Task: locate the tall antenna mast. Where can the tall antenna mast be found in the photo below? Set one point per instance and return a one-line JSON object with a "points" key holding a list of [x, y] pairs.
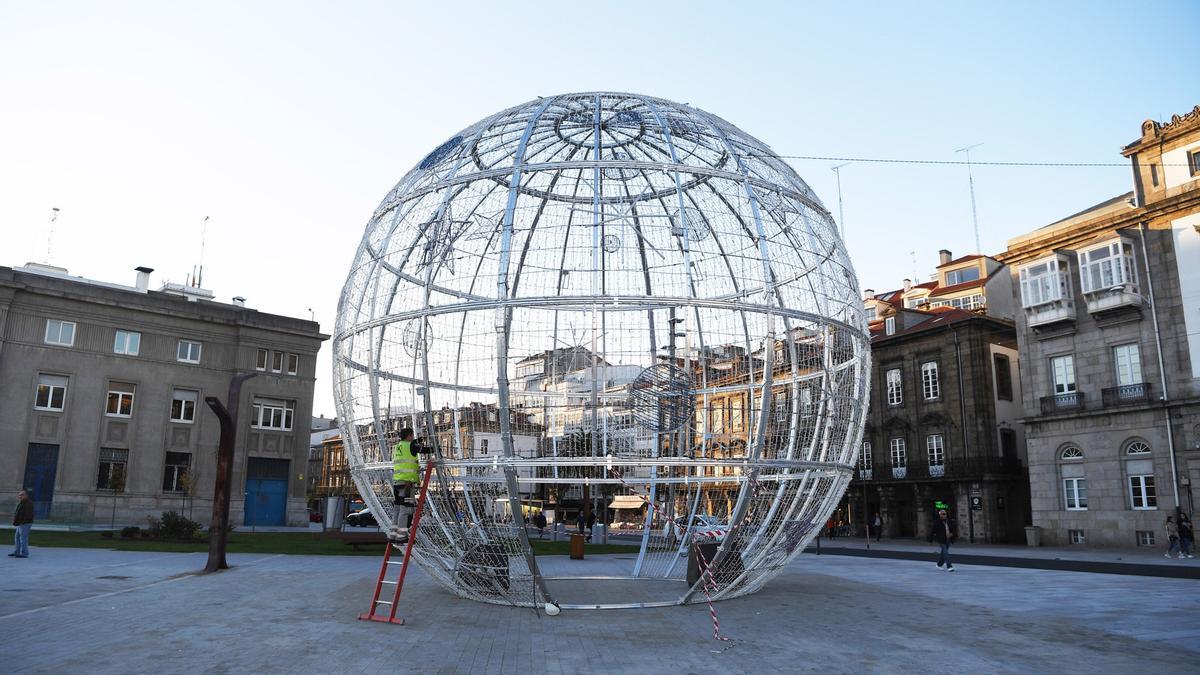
{"points": [[837, 171], [971, 182], [50, 235], [198, 280]]}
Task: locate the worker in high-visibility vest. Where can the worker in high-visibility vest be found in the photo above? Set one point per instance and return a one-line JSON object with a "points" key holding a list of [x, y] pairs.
{"points": [[406, 472]]}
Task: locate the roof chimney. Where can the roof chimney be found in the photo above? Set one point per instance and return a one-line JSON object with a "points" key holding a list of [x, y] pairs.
{"points": [[868, 294], [239, 301], [943, 257], [907, 285], [143, 278]]}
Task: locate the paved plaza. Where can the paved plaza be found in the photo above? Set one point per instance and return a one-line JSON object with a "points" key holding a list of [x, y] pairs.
{"points": [[76, 610]]}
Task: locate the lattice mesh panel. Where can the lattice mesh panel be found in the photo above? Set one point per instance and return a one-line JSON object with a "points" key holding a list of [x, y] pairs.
{"points": [[614, 296]]}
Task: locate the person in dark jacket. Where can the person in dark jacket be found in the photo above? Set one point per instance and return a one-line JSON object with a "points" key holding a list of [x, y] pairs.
{"points": [[1186, 536], [944, 534], [23, 522]]}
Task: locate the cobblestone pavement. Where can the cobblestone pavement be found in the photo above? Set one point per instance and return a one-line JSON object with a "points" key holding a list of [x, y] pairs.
{"points": [[109, 611]]}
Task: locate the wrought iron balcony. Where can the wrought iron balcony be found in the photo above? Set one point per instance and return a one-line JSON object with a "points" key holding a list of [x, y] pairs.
{"points": [[1126, 394], [1062, 403], [950, 469]]}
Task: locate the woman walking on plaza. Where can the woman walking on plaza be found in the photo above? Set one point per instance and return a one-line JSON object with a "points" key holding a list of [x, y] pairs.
{"points": [[1172, 538], [1186, 536]]}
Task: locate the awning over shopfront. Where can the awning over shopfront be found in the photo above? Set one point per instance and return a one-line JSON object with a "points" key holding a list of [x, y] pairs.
{"points": [[627, 502]]}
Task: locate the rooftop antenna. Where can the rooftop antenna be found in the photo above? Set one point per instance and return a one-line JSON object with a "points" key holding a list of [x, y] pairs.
{"points": [[913, 255], [198, 279], [50, 234], [971, 182], [837, 171]]}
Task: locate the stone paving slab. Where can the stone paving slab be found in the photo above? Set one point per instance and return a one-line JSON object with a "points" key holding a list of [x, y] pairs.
{"points": [[275, 613]]}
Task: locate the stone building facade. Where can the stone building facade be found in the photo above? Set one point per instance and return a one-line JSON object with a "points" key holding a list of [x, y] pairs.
{"points": [[944, 423], [1109, 334], [102, 390]]}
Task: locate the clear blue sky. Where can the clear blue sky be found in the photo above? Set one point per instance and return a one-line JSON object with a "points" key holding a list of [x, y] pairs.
{"points": [[287, 122]]}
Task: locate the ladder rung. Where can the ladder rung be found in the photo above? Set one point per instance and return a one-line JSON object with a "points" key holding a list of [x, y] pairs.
{"points": [[383, 602], [395, 562], [393, 583]]}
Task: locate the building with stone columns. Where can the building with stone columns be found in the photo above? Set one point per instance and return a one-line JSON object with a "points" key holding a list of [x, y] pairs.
{"points": [[1109, 332]]}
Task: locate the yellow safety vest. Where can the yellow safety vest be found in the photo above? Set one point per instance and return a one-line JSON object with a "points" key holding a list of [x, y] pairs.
{"points": [[405, 466]]}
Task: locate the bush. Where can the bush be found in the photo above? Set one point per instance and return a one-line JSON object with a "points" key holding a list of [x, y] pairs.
{"points": [[131, 532], [173, 526]]}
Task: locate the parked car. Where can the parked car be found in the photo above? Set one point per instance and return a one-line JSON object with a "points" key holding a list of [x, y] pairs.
{"points": [[710, 528], [362, 518]]}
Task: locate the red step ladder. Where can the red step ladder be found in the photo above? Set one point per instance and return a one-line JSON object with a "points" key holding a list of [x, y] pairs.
{"points": [[374, 614]]}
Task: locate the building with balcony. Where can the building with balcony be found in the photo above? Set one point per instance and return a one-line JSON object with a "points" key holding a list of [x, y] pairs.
{"points": [[944, 423], [102, 388], [1109, 333]]}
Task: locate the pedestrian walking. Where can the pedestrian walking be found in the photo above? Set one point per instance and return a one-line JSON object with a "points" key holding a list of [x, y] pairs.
{"points": [[1187, 536], [878, 525], [1173, 538], [581, 521], [22, 522], [540, 521], [944, 534], [591, 523]]}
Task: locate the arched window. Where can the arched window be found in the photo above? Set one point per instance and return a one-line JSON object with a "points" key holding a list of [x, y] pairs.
{"points": [[1071, 452], [1137, 448]]}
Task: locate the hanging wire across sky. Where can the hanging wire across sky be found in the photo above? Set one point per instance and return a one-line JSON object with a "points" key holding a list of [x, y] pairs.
{"points": [[958, 162]]}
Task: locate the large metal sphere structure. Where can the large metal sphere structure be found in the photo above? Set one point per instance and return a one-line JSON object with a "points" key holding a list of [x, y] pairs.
{"points": [[606, 302]]}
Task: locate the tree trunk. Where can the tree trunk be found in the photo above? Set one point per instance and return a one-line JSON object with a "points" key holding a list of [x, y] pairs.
{"points": [[218, 529]]}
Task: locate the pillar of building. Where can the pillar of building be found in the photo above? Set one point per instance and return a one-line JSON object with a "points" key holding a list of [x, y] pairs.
{"points": [[923, 497]]}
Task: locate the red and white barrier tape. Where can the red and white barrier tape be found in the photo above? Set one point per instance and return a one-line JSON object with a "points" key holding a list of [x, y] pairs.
{"points": [[706, 575]]}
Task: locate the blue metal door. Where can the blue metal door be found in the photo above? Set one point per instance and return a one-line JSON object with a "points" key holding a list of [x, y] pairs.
{"points": [[266, 501], [41, 466]]}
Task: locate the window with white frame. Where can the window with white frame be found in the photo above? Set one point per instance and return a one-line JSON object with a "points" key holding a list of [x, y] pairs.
{"points": [[51, 393], [483, 446], [261, 358], [889, 325], [864, 457], [1076, 537], [962, 276], [293, 364], [935, 447], [113, 462], [127, 342], [930, 385], [1142, 496], [1075, 493], [1137, 448], [1071, 452], [967, 302], [1044, 282], [806, 402], [272, 414], [175, 471], [1062, 369], [895, 390], [1128, 362], [120, 399], [188, 351], [183, 405], [781, 408], [276, 362], [60, 332], [899, 453], [1103, 267], [1145, 537]]}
